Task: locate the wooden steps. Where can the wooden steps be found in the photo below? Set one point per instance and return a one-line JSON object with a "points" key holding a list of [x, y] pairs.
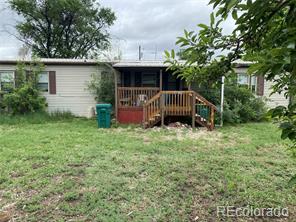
{"points": [[152, 121], [203, 122], [178, 103]]}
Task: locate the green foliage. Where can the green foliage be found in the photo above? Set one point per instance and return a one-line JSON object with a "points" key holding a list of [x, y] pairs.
{"points": [[240, 104], [264, 34], [61, 115], [25, 99], [199, 51], [63, 28], [2, 107], [292, 181], [36, 118], [102, 85], [25, 96], [71, 196], [268, 39], [287, 118]]}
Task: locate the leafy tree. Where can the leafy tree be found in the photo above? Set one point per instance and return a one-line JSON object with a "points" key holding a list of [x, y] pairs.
{"points": [[264, 33], [63, 28]]}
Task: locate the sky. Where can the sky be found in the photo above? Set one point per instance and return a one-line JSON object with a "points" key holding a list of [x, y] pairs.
{"points": [[153, 24]]}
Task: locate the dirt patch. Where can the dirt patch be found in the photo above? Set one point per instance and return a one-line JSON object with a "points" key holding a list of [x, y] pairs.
{"points": [[78, 165], [4, 216], [146, 140], [52, 200], [37, 165], [88, 190], [181, 134], [15, 174], [13, 208], [57, 179]]}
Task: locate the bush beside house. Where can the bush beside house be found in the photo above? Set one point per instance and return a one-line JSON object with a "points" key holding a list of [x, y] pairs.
{"points": [[240, 105], [102, 86], [22, 95]]}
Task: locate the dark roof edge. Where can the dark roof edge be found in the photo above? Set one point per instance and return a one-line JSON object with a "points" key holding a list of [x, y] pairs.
{"points": [[54, 62], [115, 64]]}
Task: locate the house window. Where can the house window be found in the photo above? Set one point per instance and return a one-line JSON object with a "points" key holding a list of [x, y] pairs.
{"points": [[243, 79], [6, 80], [247, 81], [253, 85], [43, 82], [148, 79]]}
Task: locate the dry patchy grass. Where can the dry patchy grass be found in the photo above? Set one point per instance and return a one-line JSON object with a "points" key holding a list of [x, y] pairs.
{"points": [[72, 171]]}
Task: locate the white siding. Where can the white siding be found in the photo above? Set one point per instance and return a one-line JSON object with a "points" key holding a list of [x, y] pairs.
{"points": [[276, 99], [7, 67], [71, 88], [72, 93], [271, 100]]}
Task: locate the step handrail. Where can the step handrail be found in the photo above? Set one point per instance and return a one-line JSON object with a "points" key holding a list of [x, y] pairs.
{"points": [[210, 121], [205, 100], [152, 99], [148, 110]]}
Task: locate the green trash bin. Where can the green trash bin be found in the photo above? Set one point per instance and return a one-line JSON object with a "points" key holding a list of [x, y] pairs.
{"points": [[104, 115], [203, 111]]}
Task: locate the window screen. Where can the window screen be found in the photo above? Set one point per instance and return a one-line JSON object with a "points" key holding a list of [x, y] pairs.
{"points": [[6, 80], [43, 82], [248, 81], [243, 79]]}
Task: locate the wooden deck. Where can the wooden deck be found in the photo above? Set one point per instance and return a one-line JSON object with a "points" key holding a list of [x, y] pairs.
{"points": [[157, 105]]}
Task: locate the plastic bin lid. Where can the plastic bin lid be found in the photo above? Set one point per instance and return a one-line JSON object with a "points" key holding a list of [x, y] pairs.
{"points": [[104, 105]]}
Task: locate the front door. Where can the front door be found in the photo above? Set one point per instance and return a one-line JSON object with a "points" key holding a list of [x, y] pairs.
{"points": [[172, 83]]}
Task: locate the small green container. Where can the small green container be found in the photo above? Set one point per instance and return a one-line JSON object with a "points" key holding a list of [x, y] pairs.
{"points": [[104, 115], [203, 111]]}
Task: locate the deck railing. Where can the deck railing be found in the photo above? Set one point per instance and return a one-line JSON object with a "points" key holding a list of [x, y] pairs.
{"points": [[159, 104], [135, 96], [177, 103]]}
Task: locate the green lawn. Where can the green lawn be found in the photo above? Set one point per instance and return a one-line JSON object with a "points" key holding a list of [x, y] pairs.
{"points": [[72, 171]]}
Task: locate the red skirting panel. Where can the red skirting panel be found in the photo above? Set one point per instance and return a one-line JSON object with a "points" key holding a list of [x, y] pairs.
{"points": [[130, 115]]}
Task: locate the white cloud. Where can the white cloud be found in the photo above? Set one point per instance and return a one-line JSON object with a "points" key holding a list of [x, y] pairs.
{"points": [[9, 45], [154, 24]]}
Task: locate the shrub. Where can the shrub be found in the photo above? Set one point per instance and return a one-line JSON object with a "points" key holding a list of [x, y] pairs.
{"points": [[25, 99], [25, 96], [240, 105], [102, 86], [2, 107]]}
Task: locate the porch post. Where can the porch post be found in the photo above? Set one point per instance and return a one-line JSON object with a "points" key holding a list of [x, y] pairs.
{"points": [[193, 109], [160, 79], [189, 86], [116, 95], [162, 109], [161, 99]]}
